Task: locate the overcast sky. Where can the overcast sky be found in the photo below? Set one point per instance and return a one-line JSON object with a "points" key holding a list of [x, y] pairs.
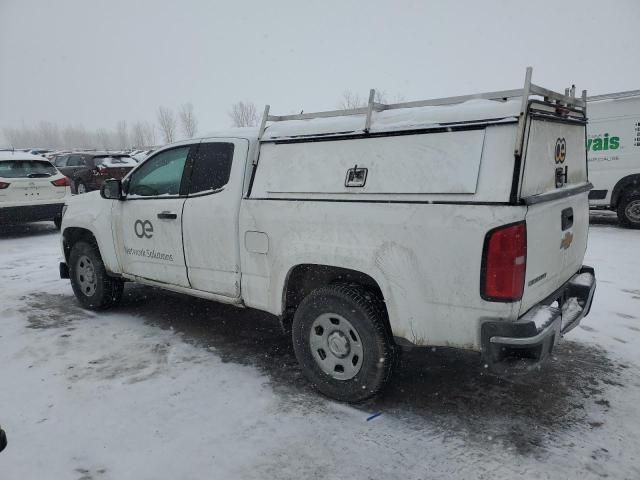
{"points": [[94, 62]]}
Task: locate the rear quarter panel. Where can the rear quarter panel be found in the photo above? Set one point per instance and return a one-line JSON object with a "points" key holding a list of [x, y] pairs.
{"points": [[426, 258]]}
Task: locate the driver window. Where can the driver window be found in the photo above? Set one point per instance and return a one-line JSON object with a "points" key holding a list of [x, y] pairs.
{"points": [[160, 175]]}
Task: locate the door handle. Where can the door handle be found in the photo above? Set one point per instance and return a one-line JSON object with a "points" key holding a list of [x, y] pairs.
{"points": [[566, 218], [167, 215]]}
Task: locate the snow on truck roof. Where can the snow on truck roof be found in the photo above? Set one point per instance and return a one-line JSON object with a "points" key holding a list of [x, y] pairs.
{"points": [[471, 111]]}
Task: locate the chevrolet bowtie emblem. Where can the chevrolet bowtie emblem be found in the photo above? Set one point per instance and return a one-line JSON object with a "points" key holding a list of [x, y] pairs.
{"points": [[566, 241]]}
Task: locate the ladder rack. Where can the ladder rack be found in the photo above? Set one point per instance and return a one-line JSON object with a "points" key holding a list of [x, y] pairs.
{"points": [[616, 95], [566, 100]]}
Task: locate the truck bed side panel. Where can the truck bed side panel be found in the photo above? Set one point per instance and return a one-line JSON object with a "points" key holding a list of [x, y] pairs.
{"points": [[426, 259]]}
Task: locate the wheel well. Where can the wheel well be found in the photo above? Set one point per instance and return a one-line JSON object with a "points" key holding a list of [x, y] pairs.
{"points": [[303, 279], [630, 181], [73, 235]]}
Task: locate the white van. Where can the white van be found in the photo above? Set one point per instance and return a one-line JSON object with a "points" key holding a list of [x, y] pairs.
{"points": [[613, 146], [458, 222]]}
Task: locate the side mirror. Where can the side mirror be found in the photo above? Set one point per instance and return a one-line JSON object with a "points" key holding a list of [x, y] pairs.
{"points": [[111, 189]]}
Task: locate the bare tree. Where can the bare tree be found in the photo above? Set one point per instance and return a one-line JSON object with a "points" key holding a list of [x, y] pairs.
{"points": [[137, 135], [188, 120], [149, 134], [103, 138], [74, 137], [243, 114], [167, 122], [48, 135], [122, 134], [350, 100]]}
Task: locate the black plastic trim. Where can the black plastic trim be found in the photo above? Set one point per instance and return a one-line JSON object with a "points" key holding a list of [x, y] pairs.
{"points": [[354, 200], [598, 194], [562, 193], [441, 128]]}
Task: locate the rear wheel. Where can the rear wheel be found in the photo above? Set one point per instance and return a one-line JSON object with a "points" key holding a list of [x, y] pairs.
{"points": [[81, 187], [629, 210], [341, 342], [91, 284]]}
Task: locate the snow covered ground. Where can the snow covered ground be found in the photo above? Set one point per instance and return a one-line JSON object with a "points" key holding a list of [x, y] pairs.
{"points": [[167, 386]]}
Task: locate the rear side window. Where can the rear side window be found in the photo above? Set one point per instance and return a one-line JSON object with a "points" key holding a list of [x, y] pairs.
{"points": [[61, 161], [75, 161], [26, 169], [211, 167]]}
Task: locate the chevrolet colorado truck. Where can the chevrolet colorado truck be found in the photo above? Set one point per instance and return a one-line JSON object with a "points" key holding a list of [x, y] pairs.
{"points": [[459, 222]]}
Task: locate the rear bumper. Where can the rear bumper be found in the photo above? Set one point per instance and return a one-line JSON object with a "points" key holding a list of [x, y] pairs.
{"points": [[533, 336], [30, 213]]}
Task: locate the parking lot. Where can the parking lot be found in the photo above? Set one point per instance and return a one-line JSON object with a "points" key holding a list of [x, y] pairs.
{"points": [[168, 383]]}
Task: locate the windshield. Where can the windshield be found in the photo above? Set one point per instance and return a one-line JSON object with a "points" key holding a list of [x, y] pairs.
{"points": [[26, 169]]}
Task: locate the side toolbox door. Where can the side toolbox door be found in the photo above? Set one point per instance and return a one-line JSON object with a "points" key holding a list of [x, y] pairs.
{"points": [[148, 223], [210, 220]]}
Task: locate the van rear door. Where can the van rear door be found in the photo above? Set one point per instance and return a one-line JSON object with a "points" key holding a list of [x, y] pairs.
{"points": [[554, 186]]}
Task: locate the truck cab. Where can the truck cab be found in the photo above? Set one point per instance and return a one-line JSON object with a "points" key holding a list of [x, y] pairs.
{"points": [[458, 222]]}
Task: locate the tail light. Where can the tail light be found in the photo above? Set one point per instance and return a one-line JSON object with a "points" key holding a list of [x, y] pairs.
{"points": [[4, 185], [61, 182], [504, 263]]}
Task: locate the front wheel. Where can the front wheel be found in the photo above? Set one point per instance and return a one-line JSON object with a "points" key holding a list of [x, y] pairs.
{"points": [[342, 344], [91, 284], [629, 210], [81, 188]]}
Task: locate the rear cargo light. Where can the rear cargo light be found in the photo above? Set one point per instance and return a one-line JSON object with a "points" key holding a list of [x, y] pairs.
{"points": [[504, 263], [61, 182], [4, 185]]}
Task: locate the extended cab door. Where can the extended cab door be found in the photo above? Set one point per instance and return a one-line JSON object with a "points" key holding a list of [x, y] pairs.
{"points": [[148, 223], [210, 219]]}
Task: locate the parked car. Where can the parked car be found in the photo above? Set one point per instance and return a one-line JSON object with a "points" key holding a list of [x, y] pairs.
{"points": [[141, 155], [459, 222], [88, 170], [613, 145], [31, 189], [39, 151]]}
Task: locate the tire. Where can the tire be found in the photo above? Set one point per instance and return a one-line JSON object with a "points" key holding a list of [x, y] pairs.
{"points": [[342, 343], [81, 187], [629, 210], [92, 286], [57, 221]]}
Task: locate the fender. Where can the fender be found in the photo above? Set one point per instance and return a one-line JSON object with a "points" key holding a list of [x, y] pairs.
{"points": [[91, 212]]}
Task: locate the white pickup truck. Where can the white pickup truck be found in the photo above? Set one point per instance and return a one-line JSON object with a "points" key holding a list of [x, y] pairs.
{"points": [[460, 222], [613, 148]]}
